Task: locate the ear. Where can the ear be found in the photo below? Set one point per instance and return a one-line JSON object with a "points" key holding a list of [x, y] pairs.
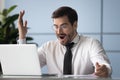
{"points": [[75, 25]]}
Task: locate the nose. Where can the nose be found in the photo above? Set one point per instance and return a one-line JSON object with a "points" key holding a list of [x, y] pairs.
{"points": [[60, 30]]}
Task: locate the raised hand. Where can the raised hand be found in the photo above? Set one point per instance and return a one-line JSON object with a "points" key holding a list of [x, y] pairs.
{"points": [[22, 26]]}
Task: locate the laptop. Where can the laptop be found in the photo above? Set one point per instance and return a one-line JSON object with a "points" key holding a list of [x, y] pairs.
{"points": [[19, 59]]}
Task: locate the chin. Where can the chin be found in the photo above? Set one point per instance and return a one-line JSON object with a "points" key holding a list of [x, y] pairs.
{"points": [[63, 43]]}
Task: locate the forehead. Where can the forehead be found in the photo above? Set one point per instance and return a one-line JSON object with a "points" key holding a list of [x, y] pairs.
{"points": [[60, 20]]}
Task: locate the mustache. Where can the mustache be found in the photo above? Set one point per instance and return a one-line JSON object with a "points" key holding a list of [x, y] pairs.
{"points": [[61, 34]]}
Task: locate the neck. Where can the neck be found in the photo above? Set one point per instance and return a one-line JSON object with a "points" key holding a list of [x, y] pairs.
{"points": [[73, 36]]}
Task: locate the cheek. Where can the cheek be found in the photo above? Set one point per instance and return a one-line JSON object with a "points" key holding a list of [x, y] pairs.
{"points": [[71, 33]]}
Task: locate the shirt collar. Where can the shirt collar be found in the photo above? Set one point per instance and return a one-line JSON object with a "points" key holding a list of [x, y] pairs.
{"points": [[76, 39]]}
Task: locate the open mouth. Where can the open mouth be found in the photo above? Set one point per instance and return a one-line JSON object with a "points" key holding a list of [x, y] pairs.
{"points": [[62, 36]]}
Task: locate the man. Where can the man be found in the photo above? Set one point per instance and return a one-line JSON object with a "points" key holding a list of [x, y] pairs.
{"points": [[87, 54]]}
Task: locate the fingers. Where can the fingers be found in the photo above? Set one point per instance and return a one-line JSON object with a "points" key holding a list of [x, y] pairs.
{"points": [[25, 24], [97, 65], [22, 25], [20, 18], [21, 14], [102, 74], [100, 67], [101, 70]]}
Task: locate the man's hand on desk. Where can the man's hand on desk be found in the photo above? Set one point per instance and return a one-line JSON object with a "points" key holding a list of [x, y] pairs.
{"points": [[101, 70]]}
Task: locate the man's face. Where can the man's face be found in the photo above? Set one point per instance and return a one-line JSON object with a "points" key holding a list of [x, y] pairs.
{"points": [[65, 32]]}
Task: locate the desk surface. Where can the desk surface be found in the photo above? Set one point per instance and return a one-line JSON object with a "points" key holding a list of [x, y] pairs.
{"points": [[80, 77]]}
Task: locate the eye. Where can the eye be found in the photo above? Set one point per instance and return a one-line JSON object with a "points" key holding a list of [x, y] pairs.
{"points": [[55, 27], [64, 26]]}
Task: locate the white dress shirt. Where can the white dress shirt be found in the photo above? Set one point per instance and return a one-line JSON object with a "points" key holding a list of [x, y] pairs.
{"points": [[86, 52]]}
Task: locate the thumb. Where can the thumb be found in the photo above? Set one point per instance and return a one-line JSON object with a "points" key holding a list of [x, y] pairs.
{"points": [[97, 64]]}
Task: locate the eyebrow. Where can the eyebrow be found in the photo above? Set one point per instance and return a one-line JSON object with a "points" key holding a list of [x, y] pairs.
{"points": [[61, 24]]}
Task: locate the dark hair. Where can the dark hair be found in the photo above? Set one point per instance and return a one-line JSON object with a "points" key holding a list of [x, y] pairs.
{"points": [[66, 11]]}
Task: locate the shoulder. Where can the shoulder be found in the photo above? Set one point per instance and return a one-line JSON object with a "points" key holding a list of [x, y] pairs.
{"points": [[89, 42], [87, 39]]}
